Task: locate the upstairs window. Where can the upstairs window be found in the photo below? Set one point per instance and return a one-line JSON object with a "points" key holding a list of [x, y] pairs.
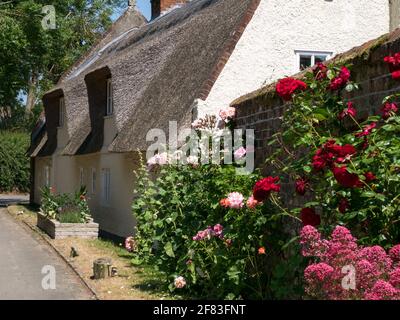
{"points": [[110, 103], [306, 59], [61, 107]]}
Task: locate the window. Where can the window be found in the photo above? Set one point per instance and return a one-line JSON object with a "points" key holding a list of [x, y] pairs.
{"points": [[94, 178], [46, 176], [81, 177], [106, 186], [110, 106], [306, 59], [61, 120]]}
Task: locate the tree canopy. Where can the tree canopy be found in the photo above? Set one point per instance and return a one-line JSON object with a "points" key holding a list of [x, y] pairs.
{"points": [[32, 58]]}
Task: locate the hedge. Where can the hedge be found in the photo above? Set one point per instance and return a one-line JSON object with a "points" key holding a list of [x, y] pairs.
{"points": [[14, 162]]}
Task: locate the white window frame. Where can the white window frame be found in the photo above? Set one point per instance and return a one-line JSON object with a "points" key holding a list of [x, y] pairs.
{"points": [[312, 53], [61, 106], [93, 180], [81, 177], [46, 176], [110, 101], [105, 186]]}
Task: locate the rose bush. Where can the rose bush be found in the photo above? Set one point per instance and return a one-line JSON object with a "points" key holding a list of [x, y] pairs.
{"points": [[344, 167]]}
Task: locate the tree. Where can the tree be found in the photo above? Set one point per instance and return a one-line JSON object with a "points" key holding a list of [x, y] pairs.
{"points": [[33, 58]]}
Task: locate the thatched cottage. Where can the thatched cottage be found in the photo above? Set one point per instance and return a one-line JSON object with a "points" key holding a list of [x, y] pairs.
{"points": [[192, 58]]}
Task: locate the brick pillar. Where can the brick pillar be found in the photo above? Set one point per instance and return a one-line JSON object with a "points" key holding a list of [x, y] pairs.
{"points": [[160, 6]]}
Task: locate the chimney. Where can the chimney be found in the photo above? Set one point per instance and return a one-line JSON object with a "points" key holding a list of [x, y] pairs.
{"points": [[158, 7]]}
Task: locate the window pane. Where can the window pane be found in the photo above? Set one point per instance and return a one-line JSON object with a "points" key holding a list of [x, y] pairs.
{"points": [[305, 62], [320, 58]]}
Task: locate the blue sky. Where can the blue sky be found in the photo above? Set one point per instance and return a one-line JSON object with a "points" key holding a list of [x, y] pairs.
{"points": [[143, 6]]}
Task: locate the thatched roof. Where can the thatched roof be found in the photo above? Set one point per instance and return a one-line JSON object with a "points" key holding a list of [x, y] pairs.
{"points": [[158, 71]]}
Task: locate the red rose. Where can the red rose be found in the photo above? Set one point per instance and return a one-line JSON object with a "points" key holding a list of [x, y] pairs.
{"points": [[264, 187], [389, 109], [393, 61], [320, 71], [301, 186], [331, 153], [341, 80], [396, 75], [309, 217], [349, 111], [366, 130], [345, 178], [287, 87], [344, 205], [369, 177]]}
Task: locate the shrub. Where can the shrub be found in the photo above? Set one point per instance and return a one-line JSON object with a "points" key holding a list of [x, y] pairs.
{"points": [[14, 162], [66, 208], [345, 165], [223, 248]]}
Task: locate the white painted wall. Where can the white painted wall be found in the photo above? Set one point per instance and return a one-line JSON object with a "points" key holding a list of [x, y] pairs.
{"points": [[266, 50]]}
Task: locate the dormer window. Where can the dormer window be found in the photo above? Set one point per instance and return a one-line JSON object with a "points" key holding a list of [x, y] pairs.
{"points": [[110, 103], [61, 113]]}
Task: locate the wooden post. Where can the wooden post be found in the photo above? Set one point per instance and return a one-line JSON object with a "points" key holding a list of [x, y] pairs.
{"points": [[102, 268]]}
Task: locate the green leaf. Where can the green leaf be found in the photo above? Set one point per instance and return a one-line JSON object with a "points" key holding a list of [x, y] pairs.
{"points": [[169, 250]]}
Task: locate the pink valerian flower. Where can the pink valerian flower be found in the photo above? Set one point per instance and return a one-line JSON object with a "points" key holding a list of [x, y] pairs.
{"points": [[394, 278], [180, 282], [382, 290], [367, 130], [252, 203], [240, 153], [349, 111], [388, 110], [311, 242], [227, 114], [378, 257], [394, 253], [235, 200], [377, 277]]}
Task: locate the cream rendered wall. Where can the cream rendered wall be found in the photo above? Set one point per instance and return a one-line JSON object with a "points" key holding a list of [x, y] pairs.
{"points": [[115, 216], [266, 50], [39, 183]]}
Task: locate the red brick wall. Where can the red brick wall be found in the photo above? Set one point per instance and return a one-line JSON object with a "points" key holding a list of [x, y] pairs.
{"points": [[262, 110]]}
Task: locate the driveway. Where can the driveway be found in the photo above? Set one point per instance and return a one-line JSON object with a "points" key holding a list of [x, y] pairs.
{"points": [[27, 266]]}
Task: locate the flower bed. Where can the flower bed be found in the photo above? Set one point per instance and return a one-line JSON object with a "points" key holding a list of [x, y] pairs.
{"points": [[63, 215]]}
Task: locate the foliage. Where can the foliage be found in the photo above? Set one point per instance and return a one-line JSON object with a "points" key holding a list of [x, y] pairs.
{"points": [[224, 261], [66, 208], [346, 164], [33, 58], [14, 163], [342, 270]]}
